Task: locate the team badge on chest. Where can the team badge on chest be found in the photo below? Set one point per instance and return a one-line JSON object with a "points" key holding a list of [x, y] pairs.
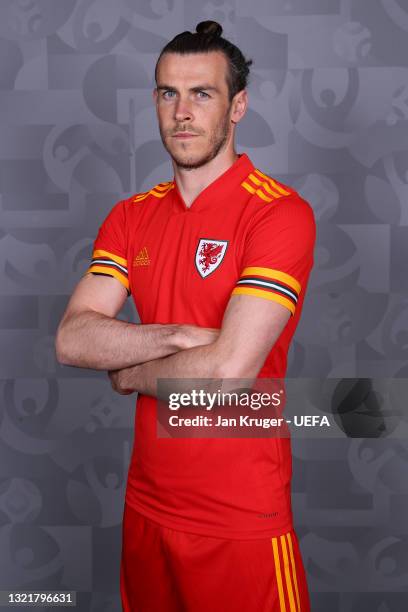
{"points": [[209, 255]]}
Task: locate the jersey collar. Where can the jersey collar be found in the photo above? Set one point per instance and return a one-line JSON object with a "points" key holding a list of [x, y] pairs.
{"points": [[221, 187]]}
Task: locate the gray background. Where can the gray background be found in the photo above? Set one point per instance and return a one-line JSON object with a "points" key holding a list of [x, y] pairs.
{"points": [[329, 116]]}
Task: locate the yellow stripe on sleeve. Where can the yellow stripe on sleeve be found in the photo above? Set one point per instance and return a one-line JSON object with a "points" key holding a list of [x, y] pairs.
{"points": [[267, 295], [103, 253], [275, 274], [110, 272]]}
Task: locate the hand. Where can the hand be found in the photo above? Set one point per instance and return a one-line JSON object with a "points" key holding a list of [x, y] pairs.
{"points": [[117, 378], [193, 335]]}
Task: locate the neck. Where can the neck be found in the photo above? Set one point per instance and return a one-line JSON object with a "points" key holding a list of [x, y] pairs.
{"points": [[192, 182]]}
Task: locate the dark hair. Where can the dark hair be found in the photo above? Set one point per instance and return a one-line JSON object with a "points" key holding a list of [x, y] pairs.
{"points": [[205, 39]]}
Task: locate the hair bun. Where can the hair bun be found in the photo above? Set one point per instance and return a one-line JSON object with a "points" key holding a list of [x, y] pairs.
{"points": [[211, 28]]}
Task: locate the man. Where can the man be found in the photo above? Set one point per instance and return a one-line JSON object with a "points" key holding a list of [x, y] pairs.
{"points": [[217, 261]]}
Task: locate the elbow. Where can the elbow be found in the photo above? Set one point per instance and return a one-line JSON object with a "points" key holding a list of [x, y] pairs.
{"points": [[237, 369], [61, 347], [232, 363]]}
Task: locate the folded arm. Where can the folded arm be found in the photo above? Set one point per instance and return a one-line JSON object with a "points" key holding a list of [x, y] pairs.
{"points": [[250, 327], [89, 335]]}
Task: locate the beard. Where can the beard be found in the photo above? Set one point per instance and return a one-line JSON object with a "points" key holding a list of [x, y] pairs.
{"points": [[217, 140]]}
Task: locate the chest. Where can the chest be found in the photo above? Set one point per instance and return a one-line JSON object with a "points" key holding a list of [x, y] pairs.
{"points": [[185, 262]]}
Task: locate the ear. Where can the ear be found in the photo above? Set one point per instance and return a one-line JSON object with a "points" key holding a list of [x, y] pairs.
{"points": [[154, 95], [239, 105]]}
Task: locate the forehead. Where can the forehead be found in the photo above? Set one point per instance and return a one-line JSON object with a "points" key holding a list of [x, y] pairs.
{"points": [[193, 68]]}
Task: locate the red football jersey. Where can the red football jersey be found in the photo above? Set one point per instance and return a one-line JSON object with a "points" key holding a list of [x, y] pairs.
{"points": [[245, 233]]}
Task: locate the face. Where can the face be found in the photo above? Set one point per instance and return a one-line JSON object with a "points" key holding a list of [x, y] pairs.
{"points": [[196, 117]]}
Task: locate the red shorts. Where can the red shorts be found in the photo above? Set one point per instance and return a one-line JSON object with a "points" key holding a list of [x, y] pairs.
{"points": [[166, 570]]}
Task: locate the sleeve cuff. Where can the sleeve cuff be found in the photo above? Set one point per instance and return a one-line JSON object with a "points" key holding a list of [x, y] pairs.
{"points": [[109, 264], [269, 284]]}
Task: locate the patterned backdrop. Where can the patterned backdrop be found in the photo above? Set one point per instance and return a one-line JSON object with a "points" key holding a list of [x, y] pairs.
{"points": [[328, 115]]}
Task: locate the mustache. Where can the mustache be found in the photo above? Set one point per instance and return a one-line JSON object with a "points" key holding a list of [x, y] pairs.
{"points": [[181, 130]]}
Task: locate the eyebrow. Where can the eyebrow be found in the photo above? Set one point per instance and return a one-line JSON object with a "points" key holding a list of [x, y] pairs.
{"points": [[204, 87]]}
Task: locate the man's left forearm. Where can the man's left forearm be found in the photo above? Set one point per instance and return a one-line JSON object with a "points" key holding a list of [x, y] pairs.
{"points": [[233, 355]]}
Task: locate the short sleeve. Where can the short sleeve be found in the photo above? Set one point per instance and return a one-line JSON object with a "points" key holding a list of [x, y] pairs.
{"points": [[278, 252], [109, 254]]}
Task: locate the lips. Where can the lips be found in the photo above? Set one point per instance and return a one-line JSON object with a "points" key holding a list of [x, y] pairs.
{"points": [[184, 135]]}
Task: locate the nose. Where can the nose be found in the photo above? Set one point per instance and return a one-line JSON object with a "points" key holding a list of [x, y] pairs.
{"points": [[182, 110]]}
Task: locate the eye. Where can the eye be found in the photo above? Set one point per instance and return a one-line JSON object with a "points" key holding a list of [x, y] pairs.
{"points": [[203, 93], [166, 94]]}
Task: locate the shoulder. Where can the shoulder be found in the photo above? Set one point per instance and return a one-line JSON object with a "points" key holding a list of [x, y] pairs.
{"points": [[155, 193], [265, 188], [275, 198], [121, 212], [277, 208]]}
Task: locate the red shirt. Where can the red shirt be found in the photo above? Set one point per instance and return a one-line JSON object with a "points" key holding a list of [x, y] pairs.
{"points": [[245, 233]]}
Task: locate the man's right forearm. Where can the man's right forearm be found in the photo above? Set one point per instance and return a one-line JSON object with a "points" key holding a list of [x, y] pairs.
{"points": [[93, 340]]}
